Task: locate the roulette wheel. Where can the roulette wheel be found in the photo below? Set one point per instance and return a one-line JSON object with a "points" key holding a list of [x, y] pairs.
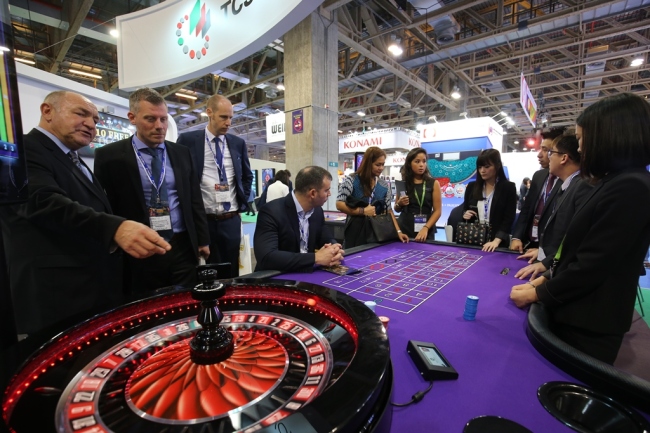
{"points": [[297, 357]]}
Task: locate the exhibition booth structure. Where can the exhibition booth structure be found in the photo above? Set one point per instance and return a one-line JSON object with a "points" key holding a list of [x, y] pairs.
{"points": [[396, 142], [452, 149]]}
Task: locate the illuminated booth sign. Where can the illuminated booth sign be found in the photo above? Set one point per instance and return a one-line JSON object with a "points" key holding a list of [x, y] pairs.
{"points": [[181, 39], [391, 138], [452, 148]]}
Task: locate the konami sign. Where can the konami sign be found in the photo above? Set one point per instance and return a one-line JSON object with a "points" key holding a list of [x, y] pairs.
{"points": [[393, 138], [181, 39]]}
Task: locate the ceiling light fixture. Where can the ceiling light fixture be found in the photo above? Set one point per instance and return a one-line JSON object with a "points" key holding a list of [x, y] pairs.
{"points": [[4, 49], [637, 62], [114, 33], [395, 49], [85, 74], [455, 93], [27, 61], [434, 118], [361, 113], [280, 85], [186, 96]]}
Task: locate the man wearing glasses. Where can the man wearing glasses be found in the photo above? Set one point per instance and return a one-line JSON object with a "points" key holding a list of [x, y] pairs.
{"points": [[564, 162], [543, 189]]}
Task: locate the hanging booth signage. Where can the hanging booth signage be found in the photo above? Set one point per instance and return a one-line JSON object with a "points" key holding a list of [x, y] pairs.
{"points": [[391, 138], [275, 127], [181, 39], [297, 121], [527, 102]]}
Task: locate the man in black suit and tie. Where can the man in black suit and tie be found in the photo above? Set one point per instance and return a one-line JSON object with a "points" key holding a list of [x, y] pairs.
{"points": [[152, 181], [536, 209], [290, 235], [564, 162], [222, 167], [61, 245]]}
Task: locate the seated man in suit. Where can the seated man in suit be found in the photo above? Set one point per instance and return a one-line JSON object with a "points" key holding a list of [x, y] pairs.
{"points": [[564, 162], [290, 233]]}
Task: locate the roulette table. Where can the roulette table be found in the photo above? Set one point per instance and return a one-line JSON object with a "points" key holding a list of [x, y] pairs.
{"points": [[500, 357], [303, 358]]}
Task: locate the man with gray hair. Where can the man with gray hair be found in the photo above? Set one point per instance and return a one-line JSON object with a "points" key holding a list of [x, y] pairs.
{"points": [[62, 244], [152, 181], [291, 235]]}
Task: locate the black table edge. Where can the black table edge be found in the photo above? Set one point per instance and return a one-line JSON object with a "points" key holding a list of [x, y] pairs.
{"points": [[615, 383]]}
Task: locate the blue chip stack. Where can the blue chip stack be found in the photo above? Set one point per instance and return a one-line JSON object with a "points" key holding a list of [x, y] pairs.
{"points": [[471, 305]]}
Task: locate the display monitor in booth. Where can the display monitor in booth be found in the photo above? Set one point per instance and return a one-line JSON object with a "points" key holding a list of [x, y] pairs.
{"points": [[358, 157], [13, 173], [267, 175]]}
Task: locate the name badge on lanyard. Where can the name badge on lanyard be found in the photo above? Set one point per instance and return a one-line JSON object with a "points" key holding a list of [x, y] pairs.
{"points": [[159, 214], [419, 220], [221, 189]]}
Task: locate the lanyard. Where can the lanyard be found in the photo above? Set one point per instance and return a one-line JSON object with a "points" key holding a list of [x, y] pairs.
{"points": [[372, 194], [147, 170], [486, 202], [218, 162], [420, 200], [545, 190]]}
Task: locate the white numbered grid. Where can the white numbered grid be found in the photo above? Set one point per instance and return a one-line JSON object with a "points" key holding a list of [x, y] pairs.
{"points": [[401, 280]]}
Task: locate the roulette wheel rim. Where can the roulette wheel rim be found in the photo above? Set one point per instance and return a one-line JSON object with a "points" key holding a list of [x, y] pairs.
{"points": [[358, 400]]}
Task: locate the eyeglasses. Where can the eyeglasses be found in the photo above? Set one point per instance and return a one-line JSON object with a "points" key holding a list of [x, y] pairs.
{"points": [[550, 152]]}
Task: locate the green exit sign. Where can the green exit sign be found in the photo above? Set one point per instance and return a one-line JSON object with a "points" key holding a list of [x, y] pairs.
{"points": [[333, 164]]}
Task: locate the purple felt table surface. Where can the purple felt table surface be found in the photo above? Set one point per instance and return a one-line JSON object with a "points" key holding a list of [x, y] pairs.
{"points": [[499, 370]]}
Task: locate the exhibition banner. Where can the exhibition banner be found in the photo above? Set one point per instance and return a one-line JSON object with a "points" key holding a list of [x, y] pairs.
{"points": [[527, 102], [181, 39], [275, 127], [465, 128], [390, 138]]}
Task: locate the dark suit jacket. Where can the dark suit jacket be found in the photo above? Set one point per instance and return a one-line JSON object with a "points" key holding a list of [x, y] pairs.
{"points": [[117, 168], [502, 209], [594, 285], [195, 141], [58, 243], [527, 214], [277, 237], [566, 203]]}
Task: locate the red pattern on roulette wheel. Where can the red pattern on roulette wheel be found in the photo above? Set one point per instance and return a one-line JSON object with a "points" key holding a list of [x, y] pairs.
{"points": [[306, 359]]}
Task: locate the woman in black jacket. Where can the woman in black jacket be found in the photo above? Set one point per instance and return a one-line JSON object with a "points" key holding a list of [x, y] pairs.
{"points": [[492, 197]]}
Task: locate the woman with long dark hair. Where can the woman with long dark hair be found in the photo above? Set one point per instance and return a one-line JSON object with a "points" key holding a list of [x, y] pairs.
{"points": [[421, 207], [590, 289], [360, 194], [491, 198]]}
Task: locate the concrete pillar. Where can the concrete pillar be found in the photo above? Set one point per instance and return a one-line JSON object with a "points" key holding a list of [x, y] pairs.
{"points": [[311, 80], [262, 152]]}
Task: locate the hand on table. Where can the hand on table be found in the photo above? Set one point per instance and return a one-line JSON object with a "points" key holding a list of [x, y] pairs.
{"points": [[422, 235], [530, 255], [404, 238], [140, 241], [329, 255], [491, 246], [523, 295], [533, 270], [517, 245]]}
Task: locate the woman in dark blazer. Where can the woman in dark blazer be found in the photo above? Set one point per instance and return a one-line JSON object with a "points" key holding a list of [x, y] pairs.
{"points": [[495, 194], [590, 290]]}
